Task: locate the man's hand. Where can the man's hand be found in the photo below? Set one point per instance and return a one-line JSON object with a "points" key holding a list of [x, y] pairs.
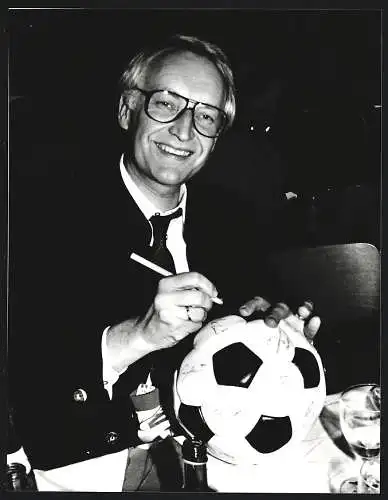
{"points": [[179, 308], [282, 311], [312, 326]]}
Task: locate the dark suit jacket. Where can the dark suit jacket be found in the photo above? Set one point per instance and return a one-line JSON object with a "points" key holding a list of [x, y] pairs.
{"points": [[70, 277]]}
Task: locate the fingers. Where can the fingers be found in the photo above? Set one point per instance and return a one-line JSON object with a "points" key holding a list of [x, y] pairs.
{"points": [[188, 281], [276, 314], [178, 309], [255, 304], [305, 310], [196, 314], [281, 311], [184, 305], [174, 315], [184, 298], [311, 328]]}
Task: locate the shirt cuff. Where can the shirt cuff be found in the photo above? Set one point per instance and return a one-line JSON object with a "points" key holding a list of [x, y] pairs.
{"points": [[109, 374]]}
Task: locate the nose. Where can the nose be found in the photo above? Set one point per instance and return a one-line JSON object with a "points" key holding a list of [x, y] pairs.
{"points": [[182, 127]]}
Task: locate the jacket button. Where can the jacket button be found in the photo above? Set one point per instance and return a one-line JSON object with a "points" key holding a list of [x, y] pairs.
{"points": [[80, 396], [112, 437]]}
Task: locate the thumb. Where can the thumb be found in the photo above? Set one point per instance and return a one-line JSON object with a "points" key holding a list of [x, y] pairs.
{"points": [[311, 328]]}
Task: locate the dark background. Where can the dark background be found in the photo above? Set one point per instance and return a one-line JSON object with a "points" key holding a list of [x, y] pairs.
{"points": [[308, 116]]}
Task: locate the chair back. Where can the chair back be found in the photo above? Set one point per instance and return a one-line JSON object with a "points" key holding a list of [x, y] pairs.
{"points": [[343, 280]]}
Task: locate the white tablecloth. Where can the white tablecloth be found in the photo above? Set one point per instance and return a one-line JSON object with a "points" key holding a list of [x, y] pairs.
{"points": [[318, 466]]}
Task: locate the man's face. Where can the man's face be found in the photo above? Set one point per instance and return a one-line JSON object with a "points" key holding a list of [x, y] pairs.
{"points": [[193, 77]]}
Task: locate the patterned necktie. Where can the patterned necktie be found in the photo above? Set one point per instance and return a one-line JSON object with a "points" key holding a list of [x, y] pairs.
{"points": [[159, 251]]}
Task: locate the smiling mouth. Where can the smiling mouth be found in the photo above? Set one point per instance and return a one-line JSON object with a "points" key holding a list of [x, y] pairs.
{"points": [[181, 153]]}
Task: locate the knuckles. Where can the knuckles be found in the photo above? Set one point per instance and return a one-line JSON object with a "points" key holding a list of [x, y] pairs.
{"points": [[158, 303], [195, 277]]}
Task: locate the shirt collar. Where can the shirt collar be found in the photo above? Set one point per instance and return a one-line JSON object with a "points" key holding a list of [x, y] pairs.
{"points": [[147, 207]]}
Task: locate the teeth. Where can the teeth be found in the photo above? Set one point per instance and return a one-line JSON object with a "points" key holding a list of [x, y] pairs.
{"points": [[173, 151]]}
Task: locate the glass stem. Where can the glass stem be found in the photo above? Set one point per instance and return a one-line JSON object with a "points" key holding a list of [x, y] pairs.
{"points": [[361, 462]]}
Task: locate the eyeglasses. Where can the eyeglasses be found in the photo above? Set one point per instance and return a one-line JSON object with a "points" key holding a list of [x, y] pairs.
{"points": [[165, 106]]}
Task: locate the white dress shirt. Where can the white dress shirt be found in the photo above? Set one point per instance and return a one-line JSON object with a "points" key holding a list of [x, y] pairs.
{"points": [[175, 243]]}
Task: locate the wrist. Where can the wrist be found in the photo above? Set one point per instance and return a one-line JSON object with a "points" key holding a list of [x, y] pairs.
{"points": [[126, 344], [139, 341]]}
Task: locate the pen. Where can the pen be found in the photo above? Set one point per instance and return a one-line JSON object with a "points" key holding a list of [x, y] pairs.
{"points": [[161, 270]]}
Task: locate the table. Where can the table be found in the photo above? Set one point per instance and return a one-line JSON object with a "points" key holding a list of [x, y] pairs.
{"points": [[319, 465]]}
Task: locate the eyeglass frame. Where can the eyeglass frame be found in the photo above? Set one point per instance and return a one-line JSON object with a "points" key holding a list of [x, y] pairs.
{"points": [[149, 93]]}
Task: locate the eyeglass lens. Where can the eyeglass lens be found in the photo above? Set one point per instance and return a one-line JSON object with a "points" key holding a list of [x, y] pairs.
{"points": [[164, 107]]}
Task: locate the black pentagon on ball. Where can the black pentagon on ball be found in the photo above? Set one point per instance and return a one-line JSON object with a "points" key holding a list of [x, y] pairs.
{"points": [[191, 418], [270, 434], [235, 365], [308, 366]]}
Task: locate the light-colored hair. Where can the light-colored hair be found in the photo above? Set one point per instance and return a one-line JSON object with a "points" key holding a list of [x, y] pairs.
{"points": [[140, 63]]}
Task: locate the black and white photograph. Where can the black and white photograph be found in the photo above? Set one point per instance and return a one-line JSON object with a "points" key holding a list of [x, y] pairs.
{"points": [[193, 250]]}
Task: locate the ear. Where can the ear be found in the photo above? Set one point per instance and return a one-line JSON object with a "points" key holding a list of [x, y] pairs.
{"points": [[127, 104]]}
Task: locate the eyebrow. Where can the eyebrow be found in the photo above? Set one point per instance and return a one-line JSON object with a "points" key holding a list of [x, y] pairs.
{"points": [[177, 93]]}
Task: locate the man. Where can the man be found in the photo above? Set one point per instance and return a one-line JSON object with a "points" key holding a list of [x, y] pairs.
{"points": [[88, 324]]}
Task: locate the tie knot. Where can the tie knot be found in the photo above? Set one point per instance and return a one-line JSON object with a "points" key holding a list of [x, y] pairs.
{"points": [[159, 251], [160, 224]]}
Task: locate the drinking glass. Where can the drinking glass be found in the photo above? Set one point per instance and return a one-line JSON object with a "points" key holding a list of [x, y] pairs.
{"points": [[370, 477], [360, 424]]}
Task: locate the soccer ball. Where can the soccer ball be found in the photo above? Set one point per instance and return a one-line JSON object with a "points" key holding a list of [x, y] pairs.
{"points": [[249, 391]]}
